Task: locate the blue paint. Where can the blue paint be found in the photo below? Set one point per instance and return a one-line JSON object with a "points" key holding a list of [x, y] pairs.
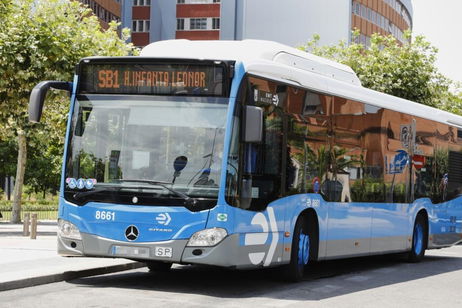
{"points": [[222, 205], [182, 225], [418, 239], [68, 130], [303, 249]]}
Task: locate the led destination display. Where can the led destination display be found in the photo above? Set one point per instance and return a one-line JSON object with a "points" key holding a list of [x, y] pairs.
{"points": [[160, 79]]}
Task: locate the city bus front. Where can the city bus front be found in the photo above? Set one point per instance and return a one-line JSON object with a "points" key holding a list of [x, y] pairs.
{"points": [[143, 157]]}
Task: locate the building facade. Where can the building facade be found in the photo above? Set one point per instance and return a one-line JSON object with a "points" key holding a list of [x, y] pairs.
{"points": [[291, 22], [105, 10]]}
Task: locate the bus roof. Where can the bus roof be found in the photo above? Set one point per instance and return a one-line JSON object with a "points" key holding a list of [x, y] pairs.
{"points": [[293, 66], [248, 52]]}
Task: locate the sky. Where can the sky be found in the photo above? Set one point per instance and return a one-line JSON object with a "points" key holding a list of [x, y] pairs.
{"points": [[441, 23]]}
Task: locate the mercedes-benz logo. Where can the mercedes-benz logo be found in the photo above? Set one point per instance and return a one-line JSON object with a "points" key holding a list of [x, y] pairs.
{"points": [[131, 233]]}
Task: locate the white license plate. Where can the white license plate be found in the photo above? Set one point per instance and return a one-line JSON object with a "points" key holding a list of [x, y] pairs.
{"points": [[130, 251], [165, 252]]}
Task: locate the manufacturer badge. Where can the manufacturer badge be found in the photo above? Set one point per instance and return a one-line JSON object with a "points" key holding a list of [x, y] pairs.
{"points": [[131, 233]]}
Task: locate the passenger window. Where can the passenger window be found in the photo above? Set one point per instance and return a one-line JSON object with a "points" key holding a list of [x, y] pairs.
{"points": [[344, 170], [309, 124]]}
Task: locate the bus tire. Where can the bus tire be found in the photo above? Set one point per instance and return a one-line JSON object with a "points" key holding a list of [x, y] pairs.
{"points": [[419, 237], [158, 266], [300, 253]]}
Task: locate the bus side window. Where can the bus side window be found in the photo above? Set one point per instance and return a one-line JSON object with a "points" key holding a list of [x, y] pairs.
{"points": [[262, 163], [262, 166]]}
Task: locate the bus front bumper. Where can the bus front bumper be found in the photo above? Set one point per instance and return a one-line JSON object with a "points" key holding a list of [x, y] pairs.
{"points": [[224, 254]]}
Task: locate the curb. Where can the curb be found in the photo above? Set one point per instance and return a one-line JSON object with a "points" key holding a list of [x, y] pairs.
{"points": [[70, 275]]}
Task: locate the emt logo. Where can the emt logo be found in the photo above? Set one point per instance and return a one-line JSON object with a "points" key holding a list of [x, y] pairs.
{"points": [[251, 239]]}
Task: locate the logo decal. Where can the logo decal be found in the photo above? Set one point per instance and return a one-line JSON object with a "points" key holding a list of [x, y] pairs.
{"points": [[80, 183], [164, 219], [222, 217], [131, 233], [90, 183], [73, 183], [261, 238]]}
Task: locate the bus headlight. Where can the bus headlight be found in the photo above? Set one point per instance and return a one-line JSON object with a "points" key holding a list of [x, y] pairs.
{"points": [[68, 230], [207, 237]]}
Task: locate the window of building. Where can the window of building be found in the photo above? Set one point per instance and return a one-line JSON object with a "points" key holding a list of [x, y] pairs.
{"points": [[216, 1], [99, 11], [198, 23], [141, 2], [141, 26], [357, 9], [180, 24], [215, 23], [180, 1]]}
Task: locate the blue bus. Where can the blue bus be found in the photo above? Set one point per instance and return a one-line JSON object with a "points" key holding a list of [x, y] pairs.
{"points": [[249, 154]]}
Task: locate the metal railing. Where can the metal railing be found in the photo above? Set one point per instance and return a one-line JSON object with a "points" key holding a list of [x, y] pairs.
{"points": [[41, 215]]}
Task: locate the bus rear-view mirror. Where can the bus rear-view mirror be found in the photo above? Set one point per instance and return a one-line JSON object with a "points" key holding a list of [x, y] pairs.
{"points": [[38, 94], [253, 124]]}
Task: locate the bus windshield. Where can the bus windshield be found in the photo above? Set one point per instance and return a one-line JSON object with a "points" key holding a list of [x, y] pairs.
{"points": [[122, 145]]}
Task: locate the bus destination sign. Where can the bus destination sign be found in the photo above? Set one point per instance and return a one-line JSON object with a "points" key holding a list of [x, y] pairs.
{"points": [[157, 79]]}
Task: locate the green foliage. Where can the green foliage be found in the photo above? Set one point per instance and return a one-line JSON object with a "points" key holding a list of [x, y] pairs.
{"points": [[44, 40], [407, 71], [7, 156], [40, 205]]}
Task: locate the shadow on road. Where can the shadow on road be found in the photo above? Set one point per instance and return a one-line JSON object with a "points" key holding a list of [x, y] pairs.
{"points": [[324, 279]]}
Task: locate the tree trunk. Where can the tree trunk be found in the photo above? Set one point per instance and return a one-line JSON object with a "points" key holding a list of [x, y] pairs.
{"points": [[21, 169]]}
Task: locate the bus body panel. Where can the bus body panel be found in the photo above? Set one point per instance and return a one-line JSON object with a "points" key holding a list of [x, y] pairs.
{"points": [[259, 238], [155, 223], [66, 139], [390, 227], [349, 226], [302, 202], [445, 223]]}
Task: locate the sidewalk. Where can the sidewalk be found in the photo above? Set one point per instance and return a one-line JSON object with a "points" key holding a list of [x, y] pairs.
{"points": [[25, 262]]}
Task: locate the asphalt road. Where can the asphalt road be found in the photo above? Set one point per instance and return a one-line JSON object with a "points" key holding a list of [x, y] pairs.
{"points": [[386, 281]]}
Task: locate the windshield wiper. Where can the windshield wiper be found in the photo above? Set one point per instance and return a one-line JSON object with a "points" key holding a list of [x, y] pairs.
{"points": [[187, 199], [80, 195]]}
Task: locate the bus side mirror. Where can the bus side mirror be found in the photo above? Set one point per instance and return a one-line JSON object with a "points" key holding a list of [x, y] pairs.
{"points": [[37, 97], [253, 124]]}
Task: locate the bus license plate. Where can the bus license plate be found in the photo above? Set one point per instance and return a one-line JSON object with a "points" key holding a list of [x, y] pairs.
{"points": [[130, 251], [165, 252]]}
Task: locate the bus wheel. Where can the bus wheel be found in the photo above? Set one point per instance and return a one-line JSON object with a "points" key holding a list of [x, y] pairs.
{"points": [[419, 237], [157, 266], [300, 253]]}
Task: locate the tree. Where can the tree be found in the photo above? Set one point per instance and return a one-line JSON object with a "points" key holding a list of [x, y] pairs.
{"points": [[407, 71], [44, 40]]}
